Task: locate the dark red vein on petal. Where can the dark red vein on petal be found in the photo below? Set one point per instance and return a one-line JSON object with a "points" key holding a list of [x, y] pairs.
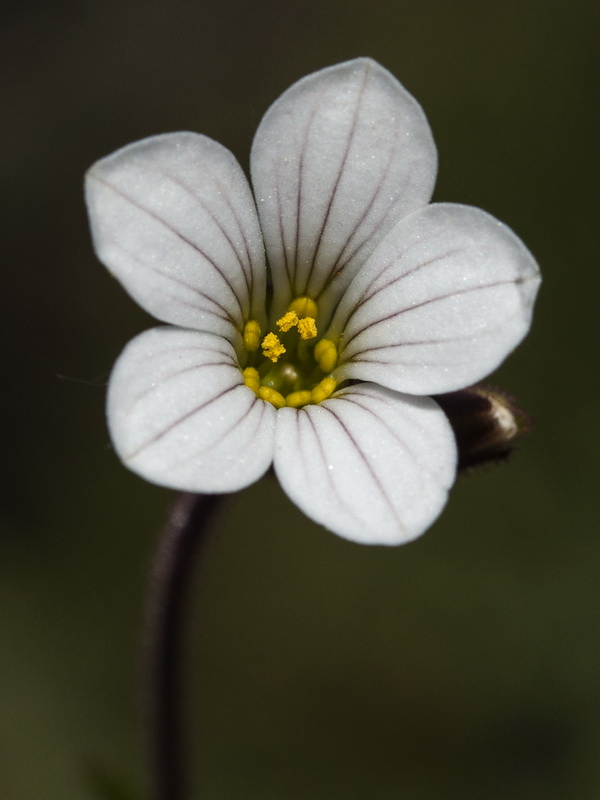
{"points": [[175, 232], [179, 421], [218, 223], [344, 161], [424, 303], [367, 465]]}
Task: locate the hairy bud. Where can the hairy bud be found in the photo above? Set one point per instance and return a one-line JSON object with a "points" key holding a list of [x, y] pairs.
{"points": [[486, 422]]}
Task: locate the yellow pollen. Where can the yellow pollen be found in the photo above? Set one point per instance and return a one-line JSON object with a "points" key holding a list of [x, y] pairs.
{"points": [[271, 396], [251, 335], [325, 354], [323, 390], [272, 347], [252, 379], [298, 399], [303, 307], [274, 385], [307, 328], [288, 321]]}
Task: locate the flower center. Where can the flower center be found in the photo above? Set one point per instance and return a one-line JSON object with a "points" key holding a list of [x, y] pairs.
{"points": [[294, 365]]}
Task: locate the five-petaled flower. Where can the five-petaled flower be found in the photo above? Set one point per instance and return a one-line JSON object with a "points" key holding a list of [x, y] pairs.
{"points": [[318, 357]]}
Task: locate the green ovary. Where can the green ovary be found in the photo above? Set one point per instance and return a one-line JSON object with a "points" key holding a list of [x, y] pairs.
{"points": [[295, 365]]}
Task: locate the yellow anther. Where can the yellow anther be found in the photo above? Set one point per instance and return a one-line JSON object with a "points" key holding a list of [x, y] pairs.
{"points": [[298, 399], [251, 335], [323, 390], [252, 379], [288, 321], [271, 396], [272, 347], [307, 328], [326, 354], [304, 307]]}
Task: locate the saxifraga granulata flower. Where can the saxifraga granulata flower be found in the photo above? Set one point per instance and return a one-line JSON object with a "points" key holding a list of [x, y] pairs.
{"points": [[307, 323]]}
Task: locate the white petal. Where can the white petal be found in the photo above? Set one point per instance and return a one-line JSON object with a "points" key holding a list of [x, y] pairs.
{"points": [[443, 300], [180, 415], [174, 219], [336, 161], [371, 465]]}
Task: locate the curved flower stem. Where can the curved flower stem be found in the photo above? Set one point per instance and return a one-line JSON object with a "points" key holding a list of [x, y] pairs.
{"points": [[168, 592]]}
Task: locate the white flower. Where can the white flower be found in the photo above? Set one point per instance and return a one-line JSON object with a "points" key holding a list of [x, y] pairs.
{"points": [[378, 300]]}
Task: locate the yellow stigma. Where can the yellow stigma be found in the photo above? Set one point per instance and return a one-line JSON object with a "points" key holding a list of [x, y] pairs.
{"points": [[287, 322], [326, 354], [272, 347], [251, 335], [323, 390], [307, 328], [303, 307]]}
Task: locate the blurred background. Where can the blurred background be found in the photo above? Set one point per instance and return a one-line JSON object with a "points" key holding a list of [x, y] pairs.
{"points": [[462, 666]]}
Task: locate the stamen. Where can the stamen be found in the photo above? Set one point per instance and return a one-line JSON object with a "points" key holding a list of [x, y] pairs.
{"points": [[298, 399], [323, 390], [287, 322], [252, 379], [251, 335], [297, 371], [304, 307], [272, 347], [271, 396], [326, 354], [307, 328]]}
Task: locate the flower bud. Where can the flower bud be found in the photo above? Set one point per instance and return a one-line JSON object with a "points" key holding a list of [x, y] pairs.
{"points": [[485, 422]]}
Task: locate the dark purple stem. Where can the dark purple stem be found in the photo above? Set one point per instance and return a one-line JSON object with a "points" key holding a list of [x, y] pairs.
{"points": [[171, 576]]}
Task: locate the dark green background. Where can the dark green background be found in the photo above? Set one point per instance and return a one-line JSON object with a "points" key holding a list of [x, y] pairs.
{"points": [[464, 666]]}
